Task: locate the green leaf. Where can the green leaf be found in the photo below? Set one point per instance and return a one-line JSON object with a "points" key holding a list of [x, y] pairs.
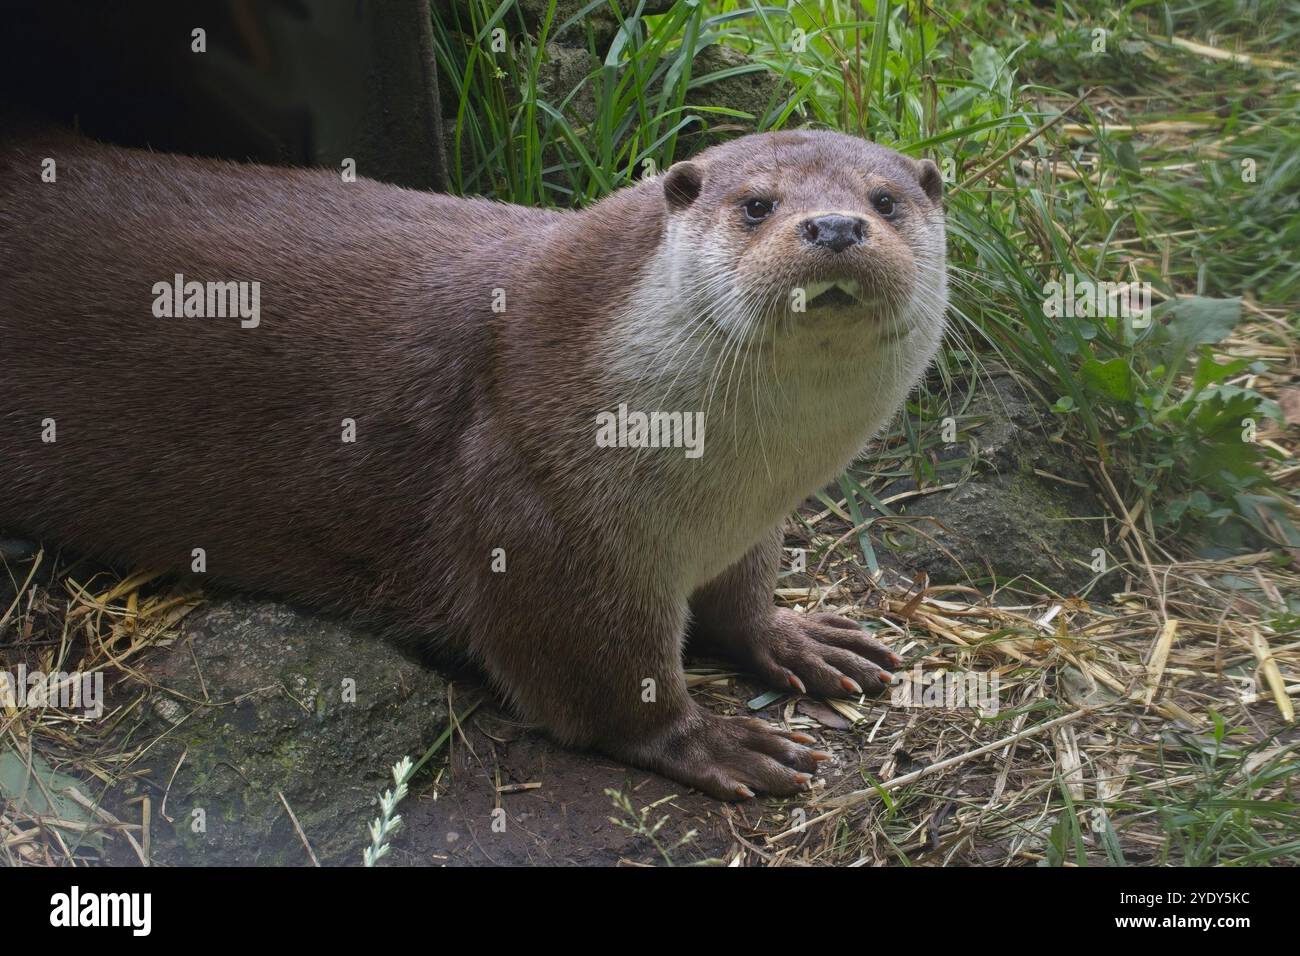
{"points": [[1113, 379], [41, 793], [1267, 515], [1208, 371], [1197, 321], [1066, 345], [987, 65], [1127, 157], [1245, 400]]}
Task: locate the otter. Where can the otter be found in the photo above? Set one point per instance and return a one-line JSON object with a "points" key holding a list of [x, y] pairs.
{"points": [[407, 418]]}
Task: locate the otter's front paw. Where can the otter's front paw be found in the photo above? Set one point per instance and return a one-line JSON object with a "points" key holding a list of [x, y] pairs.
{"points": [[820, 654], [733, 758]]}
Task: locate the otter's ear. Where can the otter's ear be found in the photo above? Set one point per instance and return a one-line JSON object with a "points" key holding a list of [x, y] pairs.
{"points": [[682, 184], [928, 175]]}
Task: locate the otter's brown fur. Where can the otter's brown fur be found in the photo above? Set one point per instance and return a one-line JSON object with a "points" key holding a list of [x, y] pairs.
{"points": [[474, 426]]}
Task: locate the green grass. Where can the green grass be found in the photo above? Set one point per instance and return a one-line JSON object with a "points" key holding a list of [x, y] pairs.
{"points": [[1224, 818]]}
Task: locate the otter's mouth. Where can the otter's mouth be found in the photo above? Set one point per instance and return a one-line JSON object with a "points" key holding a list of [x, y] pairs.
{"points": [[834, 295]]}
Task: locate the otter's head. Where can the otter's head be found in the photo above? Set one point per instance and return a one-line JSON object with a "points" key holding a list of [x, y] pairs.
{"points": [[782, 232]]}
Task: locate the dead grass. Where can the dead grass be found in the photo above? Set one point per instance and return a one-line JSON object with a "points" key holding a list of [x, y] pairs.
{"points": [[1151, 724], [58, 767]]}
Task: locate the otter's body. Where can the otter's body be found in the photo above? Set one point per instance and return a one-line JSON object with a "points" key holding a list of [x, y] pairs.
{"points": [[468, 348]]}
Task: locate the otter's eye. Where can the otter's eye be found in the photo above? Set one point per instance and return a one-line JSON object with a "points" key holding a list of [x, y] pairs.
{"points": [[756, 210], [884, 204]]}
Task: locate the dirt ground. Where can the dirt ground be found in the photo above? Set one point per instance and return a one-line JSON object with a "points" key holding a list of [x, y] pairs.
{"points": [[557, 811], [563, 820]]}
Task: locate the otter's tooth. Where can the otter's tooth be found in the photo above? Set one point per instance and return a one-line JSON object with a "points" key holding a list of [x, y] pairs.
{"points": [[851, 286], [814, 289]]}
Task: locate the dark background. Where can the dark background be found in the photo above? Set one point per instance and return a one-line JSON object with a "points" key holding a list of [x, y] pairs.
{"points": [[286, 82]]}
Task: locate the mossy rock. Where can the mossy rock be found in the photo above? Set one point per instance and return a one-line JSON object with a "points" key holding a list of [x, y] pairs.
{"points": [[255, 702], [750, 92], [1008, 519]]}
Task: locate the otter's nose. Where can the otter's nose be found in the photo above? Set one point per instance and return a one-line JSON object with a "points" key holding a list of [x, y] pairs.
{"points": [[834, 232]]}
